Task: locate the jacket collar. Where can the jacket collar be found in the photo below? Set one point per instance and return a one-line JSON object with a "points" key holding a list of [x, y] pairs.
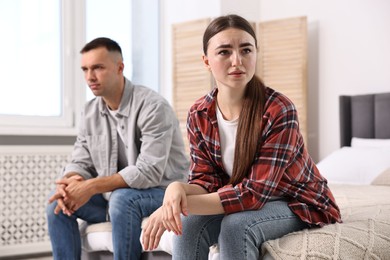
{"points": [[124, 108]]}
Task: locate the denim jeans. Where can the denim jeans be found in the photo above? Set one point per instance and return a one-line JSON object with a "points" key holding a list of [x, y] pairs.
{"points": [[127, 207], [239, 235]]}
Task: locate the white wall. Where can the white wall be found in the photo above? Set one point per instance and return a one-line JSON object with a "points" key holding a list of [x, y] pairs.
{"points": [[349, 44], [349, 50]]}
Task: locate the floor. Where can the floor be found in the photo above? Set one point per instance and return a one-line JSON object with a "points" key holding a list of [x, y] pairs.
{"points": [[29, 257]]}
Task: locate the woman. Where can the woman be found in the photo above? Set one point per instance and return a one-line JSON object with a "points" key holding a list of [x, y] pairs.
{"points": [[251, 177]]}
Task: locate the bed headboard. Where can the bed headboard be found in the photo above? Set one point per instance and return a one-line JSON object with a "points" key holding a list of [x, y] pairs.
{"points": [[364, 116]]}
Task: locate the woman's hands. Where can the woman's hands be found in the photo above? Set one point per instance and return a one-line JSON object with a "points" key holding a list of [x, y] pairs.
{"points": [[167, 217], [174, 204], [153, 230], [179, 199]]}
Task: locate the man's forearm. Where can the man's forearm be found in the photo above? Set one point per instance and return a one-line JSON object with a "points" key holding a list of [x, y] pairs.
{"points": [[106, 184], [70, 174]]}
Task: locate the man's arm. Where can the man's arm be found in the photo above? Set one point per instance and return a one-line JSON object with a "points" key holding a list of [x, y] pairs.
{"points": [[81, 162], [156, 124]]}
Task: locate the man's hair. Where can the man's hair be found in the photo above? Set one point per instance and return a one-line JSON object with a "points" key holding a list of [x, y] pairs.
{"points": [[107, 43]]}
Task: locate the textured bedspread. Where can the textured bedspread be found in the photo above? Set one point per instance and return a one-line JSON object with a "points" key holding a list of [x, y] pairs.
{"points": [[364, 233]]}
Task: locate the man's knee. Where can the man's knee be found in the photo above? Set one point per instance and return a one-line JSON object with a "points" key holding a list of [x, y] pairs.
{"points": [[122, 200], [51, 207]]}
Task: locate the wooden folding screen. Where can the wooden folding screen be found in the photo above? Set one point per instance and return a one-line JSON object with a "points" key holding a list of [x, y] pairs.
{"points": [[191, 80], [282, 61]]}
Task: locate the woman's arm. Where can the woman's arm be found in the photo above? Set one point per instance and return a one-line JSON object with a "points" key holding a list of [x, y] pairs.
{"points": [[205, 204], [197, 201], [180, 198]]}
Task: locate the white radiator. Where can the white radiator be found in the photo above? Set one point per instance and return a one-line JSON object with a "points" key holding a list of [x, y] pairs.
{"points": [[27, 175]]}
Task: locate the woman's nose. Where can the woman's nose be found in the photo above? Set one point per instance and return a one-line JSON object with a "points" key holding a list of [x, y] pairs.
{"points": [[236, 59]]}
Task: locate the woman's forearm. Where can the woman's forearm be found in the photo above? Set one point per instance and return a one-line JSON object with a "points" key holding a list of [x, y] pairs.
{"points": [[193, 189], [199, 200], [205, 204]]}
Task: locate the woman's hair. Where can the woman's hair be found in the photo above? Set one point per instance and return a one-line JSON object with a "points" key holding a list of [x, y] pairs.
{"points": [[249, 125]]}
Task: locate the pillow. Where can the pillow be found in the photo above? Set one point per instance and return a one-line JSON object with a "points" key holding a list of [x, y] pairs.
{"points": [[369, 143], [354, 165], [383, 178]]}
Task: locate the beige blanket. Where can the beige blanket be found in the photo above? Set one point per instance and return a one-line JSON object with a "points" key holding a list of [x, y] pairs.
{"points": [[364, 233]]}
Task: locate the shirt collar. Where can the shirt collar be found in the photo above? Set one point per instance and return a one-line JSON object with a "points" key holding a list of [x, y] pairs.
{"points": [[208, 102]]}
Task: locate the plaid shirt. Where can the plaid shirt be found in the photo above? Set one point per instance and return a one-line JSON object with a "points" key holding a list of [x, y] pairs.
{"points": [[282, 166]]}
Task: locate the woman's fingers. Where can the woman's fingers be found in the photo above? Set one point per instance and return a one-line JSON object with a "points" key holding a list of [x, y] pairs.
{"points": [[152, 233], [157, 237], [172, 219]]}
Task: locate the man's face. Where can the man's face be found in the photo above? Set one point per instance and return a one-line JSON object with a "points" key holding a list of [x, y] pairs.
{"points": [[102, 71]]}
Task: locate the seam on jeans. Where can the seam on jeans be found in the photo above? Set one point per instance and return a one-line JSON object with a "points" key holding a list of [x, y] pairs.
{"points": [[262, 221], [200, 235]]}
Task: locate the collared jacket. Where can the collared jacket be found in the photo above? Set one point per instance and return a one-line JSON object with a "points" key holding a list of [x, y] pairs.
{"points": [[282, 167], [151, 135]]}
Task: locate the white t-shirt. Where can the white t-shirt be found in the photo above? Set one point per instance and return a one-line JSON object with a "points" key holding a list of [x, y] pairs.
{"points": [[227, 132], [122, 151]]}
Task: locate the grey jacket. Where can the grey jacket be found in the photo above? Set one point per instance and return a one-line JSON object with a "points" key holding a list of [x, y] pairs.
{"points": [[151, 134]]}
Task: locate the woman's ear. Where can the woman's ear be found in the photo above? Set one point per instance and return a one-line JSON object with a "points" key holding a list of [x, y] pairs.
{"points": [[206, 62]]}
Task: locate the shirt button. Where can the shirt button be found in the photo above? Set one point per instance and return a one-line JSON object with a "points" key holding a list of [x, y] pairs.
{"points": [[123, 127]]}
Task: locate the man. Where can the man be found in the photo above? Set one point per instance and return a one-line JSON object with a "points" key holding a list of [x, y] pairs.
{"points": [[128, 149]]}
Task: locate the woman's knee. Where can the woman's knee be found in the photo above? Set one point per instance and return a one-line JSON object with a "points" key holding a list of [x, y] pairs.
{"points": [[233, 224]]}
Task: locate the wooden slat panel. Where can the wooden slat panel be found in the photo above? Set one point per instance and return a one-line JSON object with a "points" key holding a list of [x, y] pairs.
{"points": [[191, 80], [282, 61]]}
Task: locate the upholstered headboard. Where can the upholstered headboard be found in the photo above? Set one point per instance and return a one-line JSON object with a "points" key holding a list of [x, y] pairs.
{"points": [[364, 116]]}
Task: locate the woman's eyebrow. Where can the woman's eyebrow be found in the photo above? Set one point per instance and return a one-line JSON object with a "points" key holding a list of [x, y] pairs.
{"points": [[246, 44], [223, 46]]}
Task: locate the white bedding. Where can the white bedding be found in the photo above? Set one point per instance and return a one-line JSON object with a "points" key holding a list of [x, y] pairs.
{"points": [[355, 165]]}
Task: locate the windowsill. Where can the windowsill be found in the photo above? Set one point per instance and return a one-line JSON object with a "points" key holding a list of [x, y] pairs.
{"points": [[38, 131]]}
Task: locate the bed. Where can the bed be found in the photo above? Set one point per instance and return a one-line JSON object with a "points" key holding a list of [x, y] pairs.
{"points": [[359, 177]]}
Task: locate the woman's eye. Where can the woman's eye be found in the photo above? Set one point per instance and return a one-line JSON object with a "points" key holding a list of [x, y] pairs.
{"points": [[223, 52], [246, 50]]}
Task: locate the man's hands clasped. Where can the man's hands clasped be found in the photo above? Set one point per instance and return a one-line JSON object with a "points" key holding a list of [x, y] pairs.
{"points": [[71, 193]]}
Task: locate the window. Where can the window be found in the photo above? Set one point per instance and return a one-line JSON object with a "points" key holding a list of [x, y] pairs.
{"points": [[32, 88], [42, 89]]}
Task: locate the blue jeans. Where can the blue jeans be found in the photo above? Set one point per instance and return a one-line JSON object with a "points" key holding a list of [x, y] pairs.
{"points": [[127, 208], [239, 235]]}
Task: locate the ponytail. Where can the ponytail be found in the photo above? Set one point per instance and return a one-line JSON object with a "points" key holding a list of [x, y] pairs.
{"points": [[249, 130]]}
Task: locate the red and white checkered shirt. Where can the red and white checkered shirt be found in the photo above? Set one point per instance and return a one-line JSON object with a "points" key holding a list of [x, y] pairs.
{"points": [[282, 166]]}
